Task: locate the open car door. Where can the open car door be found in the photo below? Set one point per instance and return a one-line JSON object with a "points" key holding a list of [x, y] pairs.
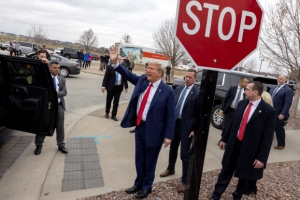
{"points": [[28, 100]]}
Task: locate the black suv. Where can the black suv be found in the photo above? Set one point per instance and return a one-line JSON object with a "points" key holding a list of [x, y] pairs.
{"points": [[224, 82], [28, 100], [69, 53]]}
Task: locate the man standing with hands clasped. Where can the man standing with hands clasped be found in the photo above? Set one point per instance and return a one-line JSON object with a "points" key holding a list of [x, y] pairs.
{"points": [[247, 142], [152, 110], [186, 114], [282, 97], [61, 89]]}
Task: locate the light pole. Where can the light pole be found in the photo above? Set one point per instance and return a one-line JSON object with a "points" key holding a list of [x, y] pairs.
{"points": [[260, 65]]}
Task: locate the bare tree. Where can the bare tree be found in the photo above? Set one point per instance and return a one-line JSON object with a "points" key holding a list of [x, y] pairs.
{"points": [[88, 39], [126, 38], [166, 42], [250, 65], [280, 41], [37, 33]]}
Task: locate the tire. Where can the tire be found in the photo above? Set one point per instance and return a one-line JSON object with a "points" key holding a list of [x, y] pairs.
{"points": [[216, 119], [64, 72], [68, 56]]}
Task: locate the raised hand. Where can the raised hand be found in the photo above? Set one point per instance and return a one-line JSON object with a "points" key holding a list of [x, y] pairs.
{"points": [[113, 54]]}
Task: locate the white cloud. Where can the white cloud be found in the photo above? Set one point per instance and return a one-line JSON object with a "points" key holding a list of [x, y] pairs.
{"points": [[109, 19]]}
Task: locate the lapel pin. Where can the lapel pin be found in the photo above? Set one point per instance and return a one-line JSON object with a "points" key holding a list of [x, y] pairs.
{"points": [[159, 90], [259, 111], [191, 92]]}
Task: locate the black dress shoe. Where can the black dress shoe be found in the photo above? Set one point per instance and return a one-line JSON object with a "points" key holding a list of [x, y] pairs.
{"points": [[106, 115], [63, 150], [132, 131], [38, 150], [251, 191], [133, 189], [143, 193], [114, 118]]}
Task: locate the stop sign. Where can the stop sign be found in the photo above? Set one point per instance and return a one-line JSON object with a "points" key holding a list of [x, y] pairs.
{"points": [[218, 34]]}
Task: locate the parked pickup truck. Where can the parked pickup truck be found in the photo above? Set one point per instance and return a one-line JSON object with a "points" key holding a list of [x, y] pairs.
{"points": [[224, 82]]}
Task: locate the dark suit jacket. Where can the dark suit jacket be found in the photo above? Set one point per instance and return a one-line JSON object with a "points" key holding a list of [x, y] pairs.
{"points": [[282, 100], [229, 97], [257, 140], [62, 90], [110, 79], [161, 115], [189, 110]]}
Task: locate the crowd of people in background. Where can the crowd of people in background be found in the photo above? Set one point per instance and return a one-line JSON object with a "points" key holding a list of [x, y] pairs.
{"points": [[14, 48]]}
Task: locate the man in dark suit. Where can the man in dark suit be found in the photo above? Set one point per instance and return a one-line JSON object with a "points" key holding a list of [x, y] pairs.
{"points": [[247, 142], [282, 97], [114, 83], [230, 102], [186, 113], [61, 89], [152, 110]]}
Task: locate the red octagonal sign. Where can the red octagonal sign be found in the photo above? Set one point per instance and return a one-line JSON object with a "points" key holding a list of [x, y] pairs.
{"points": [[218, 33]]}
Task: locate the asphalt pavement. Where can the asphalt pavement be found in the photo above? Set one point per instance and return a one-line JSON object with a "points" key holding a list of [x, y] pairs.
{"points": [[53, 175]]}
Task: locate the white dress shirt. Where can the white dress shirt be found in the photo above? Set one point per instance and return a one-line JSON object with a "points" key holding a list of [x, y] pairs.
{"points": [[56, 85], [119, 78], [253, 108], [149, 100], [188, 90], [236, 98]]}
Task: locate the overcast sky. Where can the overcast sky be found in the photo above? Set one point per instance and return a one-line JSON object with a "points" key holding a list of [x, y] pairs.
{"points": [[66, 20]]}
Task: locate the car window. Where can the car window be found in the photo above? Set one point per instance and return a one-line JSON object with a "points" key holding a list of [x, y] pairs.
{"points": [[21, 73], [221, 79], [37, 47], [199, 76], [54, 58], [26, 44], [73, 50]]}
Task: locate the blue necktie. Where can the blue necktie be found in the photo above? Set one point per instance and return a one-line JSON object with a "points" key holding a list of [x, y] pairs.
{"points": [[54, 82], [238, 98], [180, 101], [275, 91], [116, 82]]}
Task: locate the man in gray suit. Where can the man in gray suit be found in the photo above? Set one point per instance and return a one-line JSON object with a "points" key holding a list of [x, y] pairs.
{"points": [[60, 87]]}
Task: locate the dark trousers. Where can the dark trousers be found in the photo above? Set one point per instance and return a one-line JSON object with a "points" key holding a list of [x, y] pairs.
{"points": [[184, 150], [89, 63], [60, 132], [280, 132], [145, 159], [226, 120], [16, 52], [85, 64], [114, 94], [168, 78], [226, 175]]}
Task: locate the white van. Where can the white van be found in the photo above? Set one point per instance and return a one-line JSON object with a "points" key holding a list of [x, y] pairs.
{"points": [[27, 47]]}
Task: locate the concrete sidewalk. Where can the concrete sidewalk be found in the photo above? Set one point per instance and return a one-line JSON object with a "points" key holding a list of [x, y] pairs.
{"points": [[41, 177]]}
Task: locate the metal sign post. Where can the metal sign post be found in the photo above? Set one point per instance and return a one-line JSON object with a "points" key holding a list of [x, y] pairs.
{"points": [[206, 99]]}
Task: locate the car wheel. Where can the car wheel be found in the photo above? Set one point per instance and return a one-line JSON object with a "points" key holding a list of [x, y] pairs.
{"points": [[216, 119], [64, 72], [68, 56]]}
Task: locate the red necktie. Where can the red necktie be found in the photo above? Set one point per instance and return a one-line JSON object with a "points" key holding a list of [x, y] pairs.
{"points": [[143, 104], [244, 122]]}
